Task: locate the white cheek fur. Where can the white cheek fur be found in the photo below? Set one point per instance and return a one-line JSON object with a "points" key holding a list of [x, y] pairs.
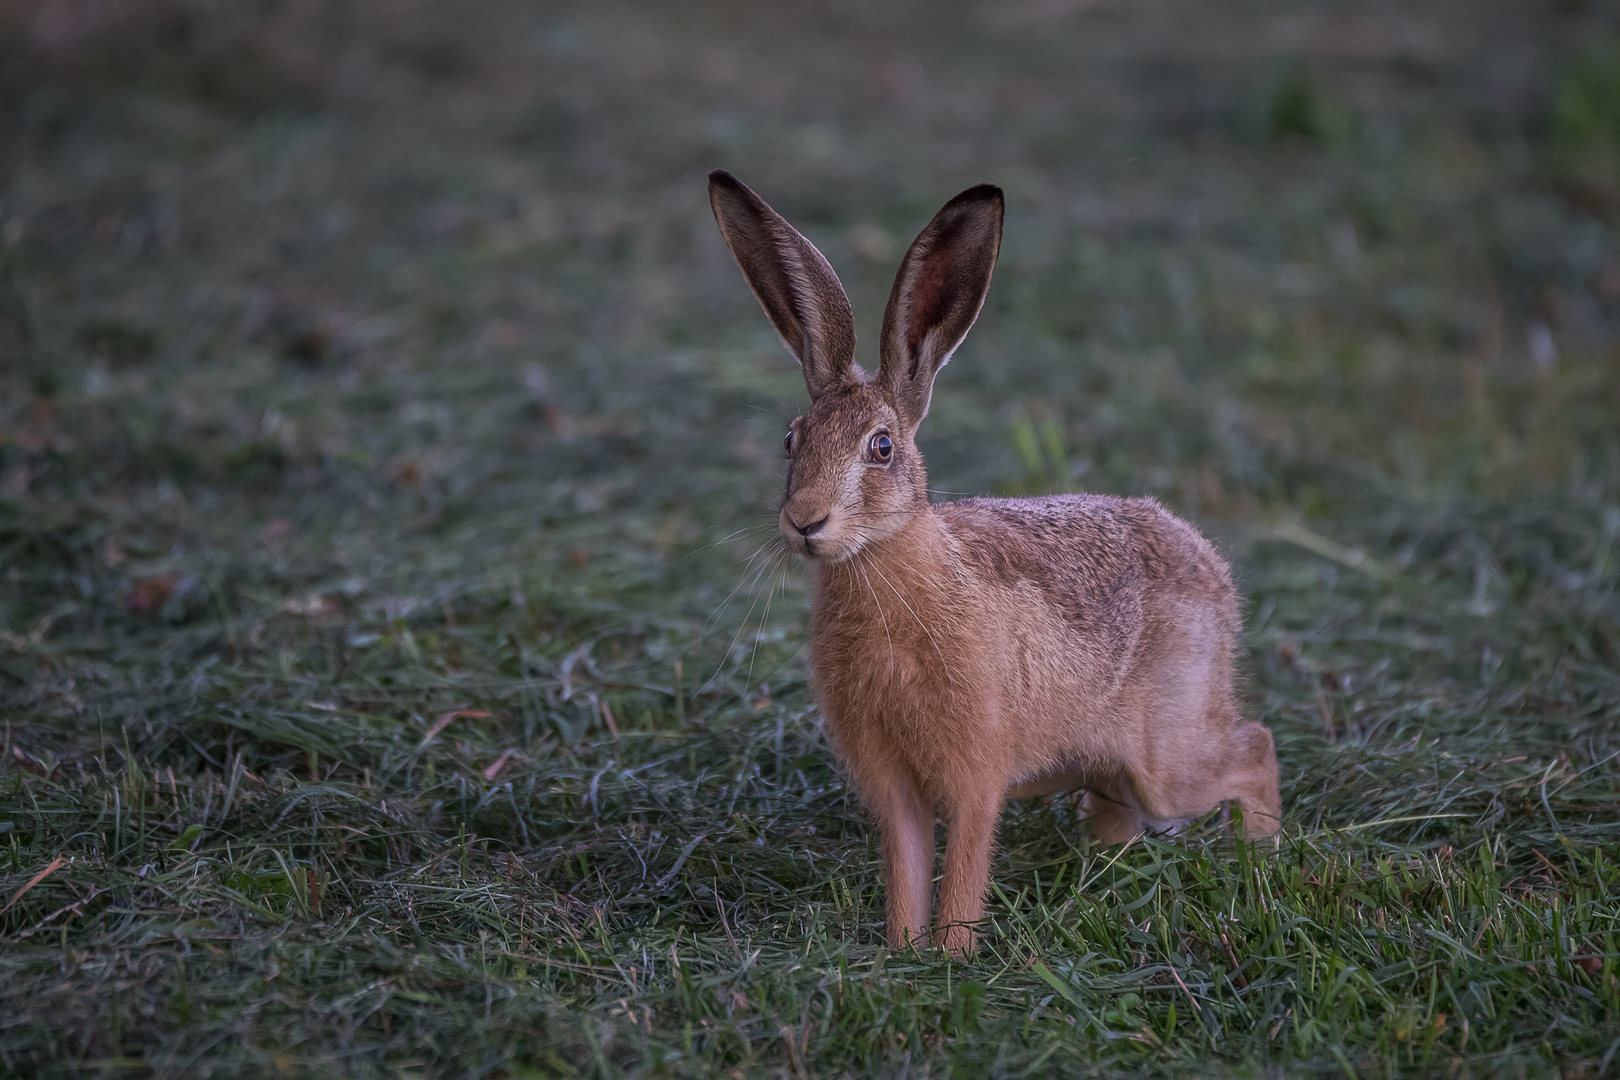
{"points": [[849, 492]]}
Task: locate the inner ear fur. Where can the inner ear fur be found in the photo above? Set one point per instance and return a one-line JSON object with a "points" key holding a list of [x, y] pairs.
{"points": [[937, 295], [801, 295]]}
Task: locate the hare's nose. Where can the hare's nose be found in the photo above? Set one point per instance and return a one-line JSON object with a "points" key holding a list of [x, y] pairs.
{"points": [[811, 529]]}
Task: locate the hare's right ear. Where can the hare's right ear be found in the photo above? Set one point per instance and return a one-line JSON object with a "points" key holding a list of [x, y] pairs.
{"points": [[937, 295], [798, 290]]}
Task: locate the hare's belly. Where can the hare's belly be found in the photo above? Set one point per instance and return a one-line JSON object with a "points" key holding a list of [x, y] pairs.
{"points": [[1069, 717]]}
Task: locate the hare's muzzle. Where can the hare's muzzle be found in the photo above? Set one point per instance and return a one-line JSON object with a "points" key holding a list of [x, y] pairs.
{"points": [[801, 527]]}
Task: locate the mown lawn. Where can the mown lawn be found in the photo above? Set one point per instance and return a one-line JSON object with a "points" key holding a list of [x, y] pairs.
{"points": [[398, 677]]}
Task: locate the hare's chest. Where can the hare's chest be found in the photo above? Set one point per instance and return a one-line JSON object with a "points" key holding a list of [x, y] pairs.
{"points": [[857, 677], [894, 699]]}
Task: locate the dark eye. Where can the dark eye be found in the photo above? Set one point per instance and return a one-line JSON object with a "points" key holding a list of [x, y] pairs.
{"points": [[880, 447], [787, 443]]}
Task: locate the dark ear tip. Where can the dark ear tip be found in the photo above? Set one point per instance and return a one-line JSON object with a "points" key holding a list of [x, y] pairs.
{"points": [[720, 178], [980, 193]]}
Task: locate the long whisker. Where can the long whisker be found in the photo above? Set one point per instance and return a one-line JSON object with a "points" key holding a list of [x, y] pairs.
{"points": [[760, 632], [878, 570], [881, 613], [747, 530], [741, 625], [745, 579]]}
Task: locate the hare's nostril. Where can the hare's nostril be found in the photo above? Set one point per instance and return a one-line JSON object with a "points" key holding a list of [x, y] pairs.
{"points": [[812, 528]]}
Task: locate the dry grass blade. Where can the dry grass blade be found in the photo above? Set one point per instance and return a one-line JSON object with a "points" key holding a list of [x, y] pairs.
{"points": [[55, 865]]}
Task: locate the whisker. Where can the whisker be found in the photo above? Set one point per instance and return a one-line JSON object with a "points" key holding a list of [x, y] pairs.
{"points": [[746, 577], [725, 656], [760, 632], [881, 613], [745, 531], [878, 570]]}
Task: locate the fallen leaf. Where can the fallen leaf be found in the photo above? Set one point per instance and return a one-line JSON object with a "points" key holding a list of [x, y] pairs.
{"points": [[560, 423], [408, 474], [494, 770], [150, 593], [27, 762], [448, 718], [310, 607]]}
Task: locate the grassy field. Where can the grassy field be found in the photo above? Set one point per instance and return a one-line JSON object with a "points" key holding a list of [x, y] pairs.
{"points": [[398, 679]]}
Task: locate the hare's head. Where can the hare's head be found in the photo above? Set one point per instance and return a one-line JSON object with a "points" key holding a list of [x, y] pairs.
{"points": [[854, 474]]}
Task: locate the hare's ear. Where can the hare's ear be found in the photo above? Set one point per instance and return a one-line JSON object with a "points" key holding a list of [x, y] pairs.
{"points": [[798, 290], [937, 295]]}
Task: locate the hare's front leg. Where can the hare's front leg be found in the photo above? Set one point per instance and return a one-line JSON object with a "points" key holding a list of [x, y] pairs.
{"points": [[972, 823], [906, 832]]}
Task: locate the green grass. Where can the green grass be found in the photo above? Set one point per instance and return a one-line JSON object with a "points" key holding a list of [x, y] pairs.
{"points": [[396, 676]]}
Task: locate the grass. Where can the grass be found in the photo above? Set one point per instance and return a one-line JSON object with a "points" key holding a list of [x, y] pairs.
{"points": [[394, 681]]}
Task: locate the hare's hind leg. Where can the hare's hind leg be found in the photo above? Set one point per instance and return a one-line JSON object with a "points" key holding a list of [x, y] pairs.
{"points": [[1112, 811], [1064, 778], [1235, 762], [1200, 752], [1109, 807], [1251, 779]]}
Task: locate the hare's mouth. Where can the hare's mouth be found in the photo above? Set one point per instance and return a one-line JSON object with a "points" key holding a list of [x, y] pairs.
{"points": [[826, 539], [828, 551]]}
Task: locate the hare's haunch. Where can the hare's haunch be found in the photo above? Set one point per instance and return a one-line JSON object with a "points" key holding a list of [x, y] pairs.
{"points": [[969, 651]]}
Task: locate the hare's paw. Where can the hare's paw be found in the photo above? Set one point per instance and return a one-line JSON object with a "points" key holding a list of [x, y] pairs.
{"points": [[957, 939]]}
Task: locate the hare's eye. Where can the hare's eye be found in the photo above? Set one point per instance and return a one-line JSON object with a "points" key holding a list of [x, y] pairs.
{"points": [[880, 447], [787, 443]]}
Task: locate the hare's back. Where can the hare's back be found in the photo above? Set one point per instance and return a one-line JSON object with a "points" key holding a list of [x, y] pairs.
{"points": [[1089, 551]]}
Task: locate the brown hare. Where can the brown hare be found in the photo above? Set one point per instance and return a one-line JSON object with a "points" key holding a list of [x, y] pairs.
{"points": [[968, 651]]}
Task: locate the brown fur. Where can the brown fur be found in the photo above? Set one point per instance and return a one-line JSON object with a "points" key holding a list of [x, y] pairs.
{"points": [[969, 651]]}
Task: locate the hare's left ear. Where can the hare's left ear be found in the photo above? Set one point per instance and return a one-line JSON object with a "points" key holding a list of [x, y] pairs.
{"points": [[798, 290], [937, 296]]}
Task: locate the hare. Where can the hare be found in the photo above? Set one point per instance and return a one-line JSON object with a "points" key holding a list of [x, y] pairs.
{"points": [[964, 652]]}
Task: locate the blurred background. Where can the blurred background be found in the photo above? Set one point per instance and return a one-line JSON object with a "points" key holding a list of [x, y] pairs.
{"points": [[362, 362], [309, 288], [319, 319]]}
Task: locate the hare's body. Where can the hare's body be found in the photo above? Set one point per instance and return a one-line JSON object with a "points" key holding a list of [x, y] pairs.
{"points": [[1028, 646], [967, 651], [1072, 634]]}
